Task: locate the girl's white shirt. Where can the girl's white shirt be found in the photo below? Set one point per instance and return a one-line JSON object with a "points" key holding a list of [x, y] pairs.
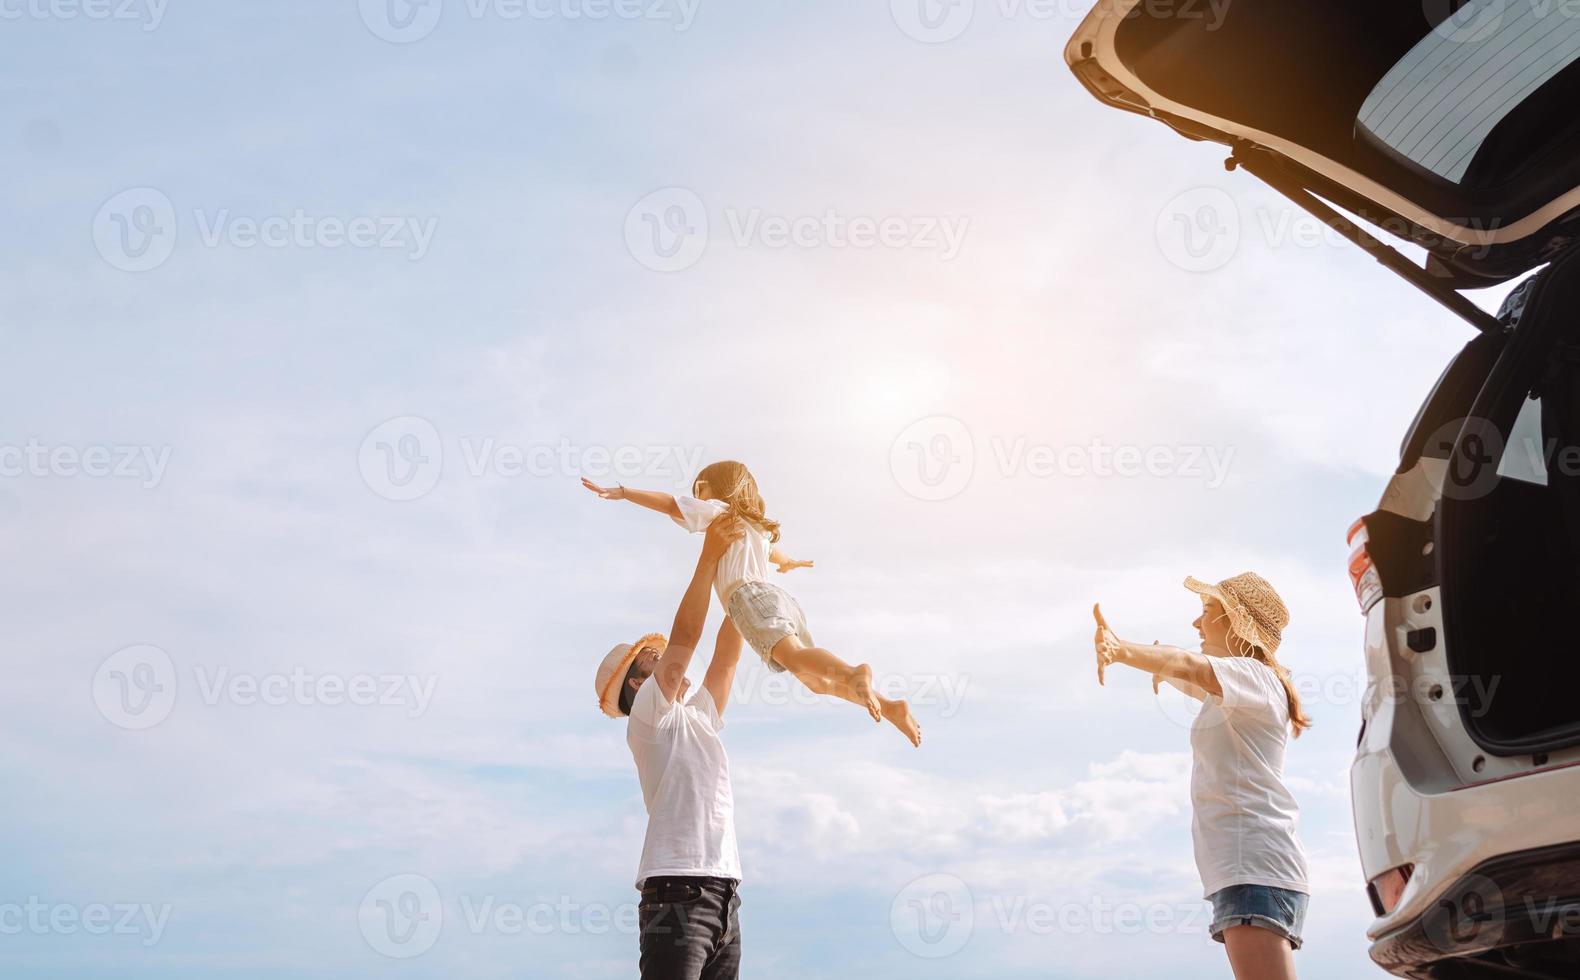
{"points": [[745, 561], [1244, 819]]}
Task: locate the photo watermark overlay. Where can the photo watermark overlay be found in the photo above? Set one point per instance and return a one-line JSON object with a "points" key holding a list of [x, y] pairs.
{"points": [[147, 14], [405, 916], [137, 688], [409, 21], [937, 916], [404, 459], [143, 922], [137, 230], [942, 21], [670, 229], [145, 465], [936, 459], [1204, 229]]}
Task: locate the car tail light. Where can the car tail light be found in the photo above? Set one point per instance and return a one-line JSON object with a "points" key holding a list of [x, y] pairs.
{"points": [[1386, 888], [1363, 574]]}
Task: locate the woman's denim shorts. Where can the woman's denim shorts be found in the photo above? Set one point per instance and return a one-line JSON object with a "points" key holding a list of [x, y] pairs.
{"points": [[1274, 909]]}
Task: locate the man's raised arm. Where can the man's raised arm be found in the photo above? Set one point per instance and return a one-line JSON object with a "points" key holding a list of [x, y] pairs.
{"points": [[721, 669], [692, 615]]}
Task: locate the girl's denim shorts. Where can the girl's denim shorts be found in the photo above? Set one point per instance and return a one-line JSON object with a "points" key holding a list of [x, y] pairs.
{"points": [[1275, 909]]}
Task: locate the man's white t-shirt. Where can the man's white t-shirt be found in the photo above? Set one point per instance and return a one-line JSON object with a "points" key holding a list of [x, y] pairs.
{"points": [[745, 561], [1244, 822], [685, 777]]}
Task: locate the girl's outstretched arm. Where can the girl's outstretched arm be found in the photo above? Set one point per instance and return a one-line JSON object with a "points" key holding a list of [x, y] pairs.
{"points": [[785, 562], [657, 500], [1170, 663]]}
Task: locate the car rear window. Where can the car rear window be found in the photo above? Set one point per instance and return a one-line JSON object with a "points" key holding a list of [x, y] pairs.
{"points": [[1439, 104]]}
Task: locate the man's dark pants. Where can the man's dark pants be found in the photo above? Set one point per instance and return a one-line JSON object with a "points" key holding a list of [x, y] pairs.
{"points": [[691, 929]]}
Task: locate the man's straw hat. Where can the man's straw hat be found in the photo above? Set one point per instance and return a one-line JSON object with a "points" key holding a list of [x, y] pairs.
{"points": [[1256, 614], [611, 673]]}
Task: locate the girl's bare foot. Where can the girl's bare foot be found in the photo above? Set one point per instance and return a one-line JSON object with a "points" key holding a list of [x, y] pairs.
{"points": [[862, 683], [899, 715]]}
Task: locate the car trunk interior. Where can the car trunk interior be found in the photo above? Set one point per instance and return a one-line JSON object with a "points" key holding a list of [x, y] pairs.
{"points": [[1476, 126], [1509, 540]]}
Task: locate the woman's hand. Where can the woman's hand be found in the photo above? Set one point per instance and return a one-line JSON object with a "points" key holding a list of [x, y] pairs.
{"points": [[616, 492], [1105, 642], [790, 564]]}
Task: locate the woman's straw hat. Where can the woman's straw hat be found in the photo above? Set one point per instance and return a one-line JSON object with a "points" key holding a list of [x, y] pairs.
{"points": [[1256, 614], [611, 673]]}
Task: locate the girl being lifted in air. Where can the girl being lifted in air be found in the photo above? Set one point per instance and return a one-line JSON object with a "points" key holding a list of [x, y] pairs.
{"points": [[767, 616]]}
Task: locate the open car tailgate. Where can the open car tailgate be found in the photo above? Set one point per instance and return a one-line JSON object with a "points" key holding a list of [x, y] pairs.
{"points": [[1457, 130]]}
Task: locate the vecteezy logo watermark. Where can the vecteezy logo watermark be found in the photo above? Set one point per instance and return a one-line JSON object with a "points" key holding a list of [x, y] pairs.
{"points": [[149, 13], [1470, 913], [405, 21], [145, 464], [401, 21], [933, 21], [934, 916], [1199, 230], [1204, 228], [135, 688], [36, 917], [136, 230], [1472, 21], [933, 458], [942, 694], [402, 459], [1471, 450], [938, 21], [668, 230], [401, 917]]}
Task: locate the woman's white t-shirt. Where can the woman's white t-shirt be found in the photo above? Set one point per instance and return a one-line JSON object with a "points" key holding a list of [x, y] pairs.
{"points": [[1244, 816], [747, 559]]}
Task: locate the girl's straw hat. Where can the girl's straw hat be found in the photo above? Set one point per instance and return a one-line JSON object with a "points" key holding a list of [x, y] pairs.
{"points": [[611, 673], [1256, 614]]}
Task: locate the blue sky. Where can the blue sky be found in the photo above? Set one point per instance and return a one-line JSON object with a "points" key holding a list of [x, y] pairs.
{"points": [[312, 322]]}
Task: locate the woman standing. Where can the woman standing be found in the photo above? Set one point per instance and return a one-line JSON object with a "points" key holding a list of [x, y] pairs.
{"points": [[1252, 867]]}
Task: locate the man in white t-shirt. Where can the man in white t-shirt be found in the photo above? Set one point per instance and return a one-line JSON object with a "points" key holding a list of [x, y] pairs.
{"points": [[691, 868]]}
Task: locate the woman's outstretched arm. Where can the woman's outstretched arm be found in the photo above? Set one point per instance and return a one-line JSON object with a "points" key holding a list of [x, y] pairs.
{"points": [[657, 500], [1170, 663]]}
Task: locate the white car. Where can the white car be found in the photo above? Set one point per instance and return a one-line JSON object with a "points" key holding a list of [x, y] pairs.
{"points": [[1455, 126]]}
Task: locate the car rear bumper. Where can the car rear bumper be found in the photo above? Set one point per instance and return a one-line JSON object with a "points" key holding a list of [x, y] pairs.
{"points": [[1508, 849], [1515, 915]]}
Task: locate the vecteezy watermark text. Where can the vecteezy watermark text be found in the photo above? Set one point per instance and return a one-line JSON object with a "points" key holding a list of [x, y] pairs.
{"points": [[937, 915], [145, 464], [935, 458], [406, 21], [137, 230], [37, 917], [149, 13], [939, 21], [670, 229], [404, 458], [137, 688]]}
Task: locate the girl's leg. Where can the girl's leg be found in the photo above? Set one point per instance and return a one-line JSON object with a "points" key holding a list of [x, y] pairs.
{"points": [[824, 673], [1259, 954]]}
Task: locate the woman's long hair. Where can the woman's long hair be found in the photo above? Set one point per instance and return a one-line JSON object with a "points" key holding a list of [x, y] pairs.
{"points": [[733, 484], [1299, 721]]}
